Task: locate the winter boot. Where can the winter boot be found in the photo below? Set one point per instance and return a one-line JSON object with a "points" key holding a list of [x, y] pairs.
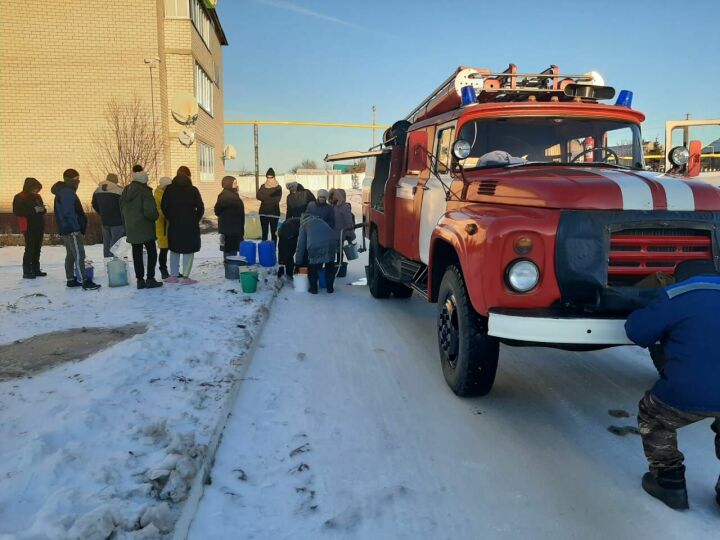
{"points": [[28, 273], [668, 486], [312, 282], [89, 285], [152, 283], [164, 274], [342, 271], [38, 272], [72, 283], [330, 281], [141, 283]]}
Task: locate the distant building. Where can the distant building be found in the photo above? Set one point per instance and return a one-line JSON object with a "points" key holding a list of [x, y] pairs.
{"points": [[63, 61]]}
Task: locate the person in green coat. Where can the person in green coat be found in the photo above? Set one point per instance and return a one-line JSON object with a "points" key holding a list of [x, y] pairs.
{"points": [[139, 212]]}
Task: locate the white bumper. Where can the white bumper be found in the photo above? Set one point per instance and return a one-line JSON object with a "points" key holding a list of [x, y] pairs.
{"points": [[559, 330]]}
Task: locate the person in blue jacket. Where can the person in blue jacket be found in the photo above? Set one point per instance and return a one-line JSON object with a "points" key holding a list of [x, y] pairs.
{"points": [[683, 318], [71, 224]]}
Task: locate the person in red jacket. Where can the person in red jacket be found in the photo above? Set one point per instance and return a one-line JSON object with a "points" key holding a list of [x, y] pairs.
{"points": [[29, 208]]}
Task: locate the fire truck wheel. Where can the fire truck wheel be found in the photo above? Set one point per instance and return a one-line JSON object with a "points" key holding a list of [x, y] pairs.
{"points": [[380, 286], [469, 356], [401, 291]]}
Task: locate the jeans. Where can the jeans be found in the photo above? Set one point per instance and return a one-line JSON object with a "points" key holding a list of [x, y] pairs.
{"points": [[31, 257], [188, 259], [111, 234], [658, 423], [137, 251], [74, 256], [270, 223]]}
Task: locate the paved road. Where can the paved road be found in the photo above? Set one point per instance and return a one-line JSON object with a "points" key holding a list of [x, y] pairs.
{"points": [[345, 428]]}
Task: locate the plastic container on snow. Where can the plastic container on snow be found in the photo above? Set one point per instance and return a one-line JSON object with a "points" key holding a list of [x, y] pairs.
{"points": [[232, 266], [322, 282], [89, 273], [266, 253], [252, 227], [249, 281], [248, 250], [117, 272], [301, 283]]}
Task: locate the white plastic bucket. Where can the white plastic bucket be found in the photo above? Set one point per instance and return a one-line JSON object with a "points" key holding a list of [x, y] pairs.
{"points": [[301, 283]]}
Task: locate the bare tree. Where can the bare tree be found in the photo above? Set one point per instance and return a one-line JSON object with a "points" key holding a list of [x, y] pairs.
{"points": [[128, 138], [304, 164]]}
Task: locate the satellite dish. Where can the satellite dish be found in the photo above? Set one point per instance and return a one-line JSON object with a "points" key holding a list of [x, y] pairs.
{"points": [[229, 152], [186, 137], [184, 109]]}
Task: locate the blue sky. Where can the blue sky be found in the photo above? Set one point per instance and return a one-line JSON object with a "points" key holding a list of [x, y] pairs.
{"points": [[318, 60]]}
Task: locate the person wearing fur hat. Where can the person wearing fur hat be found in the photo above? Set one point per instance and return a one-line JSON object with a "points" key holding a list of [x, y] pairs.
{"points": [[106, 203], [297, 200], [322, 209], [230, 212], [139, 213], [161, 227], [29, 208], [71, 224], [269, 196]]}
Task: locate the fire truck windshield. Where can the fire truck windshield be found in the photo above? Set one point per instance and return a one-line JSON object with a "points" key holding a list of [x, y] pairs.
{"points": [[551, 140]]}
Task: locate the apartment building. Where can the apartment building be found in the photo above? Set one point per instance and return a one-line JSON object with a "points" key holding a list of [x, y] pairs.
{"points": [[63, 62]]}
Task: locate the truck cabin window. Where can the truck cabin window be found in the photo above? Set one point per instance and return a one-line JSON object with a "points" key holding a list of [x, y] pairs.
{"points": [[545, 140], [442, 155]]}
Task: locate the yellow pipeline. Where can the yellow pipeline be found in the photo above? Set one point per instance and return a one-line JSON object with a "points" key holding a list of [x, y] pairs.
{"points": [[313, 124]]}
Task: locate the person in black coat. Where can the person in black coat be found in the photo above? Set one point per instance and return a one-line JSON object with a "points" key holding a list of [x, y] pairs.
{"points": [[106, 202], [297, 200], [287, 244], [230, 212], [183, 209], [30, 210], [269, 196], [322, 209]]}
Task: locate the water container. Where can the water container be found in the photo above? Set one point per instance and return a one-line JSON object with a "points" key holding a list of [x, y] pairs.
{"points": [[266, 252], [253, 230], [117, 272], [89, 273], [322, 282], [249, 281], [248, 250], [301, 283], [232, 267]]}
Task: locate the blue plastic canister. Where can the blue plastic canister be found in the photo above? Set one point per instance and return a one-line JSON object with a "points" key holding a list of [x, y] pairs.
{"points": [[322, 282], [248, 250], [266, 252]]}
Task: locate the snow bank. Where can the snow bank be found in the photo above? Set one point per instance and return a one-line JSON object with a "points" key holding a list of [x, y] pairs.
{"points": [[112, 444]]}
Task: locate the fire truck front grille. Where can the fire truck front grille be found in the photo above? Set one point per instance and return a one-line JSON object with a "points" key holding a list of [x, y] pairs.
{"points": [[637, 253], [487, 187]]}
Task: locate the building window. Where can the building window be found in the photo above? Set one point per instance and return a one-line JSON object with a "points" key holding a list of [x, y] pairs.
{"points": [[200, 20], [203, 89], [207, 162], [176, 9]]}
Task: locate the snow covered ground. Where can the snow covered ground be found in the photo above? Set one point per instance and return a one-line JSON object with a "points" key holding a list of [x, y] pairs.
{"points": [[344, 428], [113, 442]]}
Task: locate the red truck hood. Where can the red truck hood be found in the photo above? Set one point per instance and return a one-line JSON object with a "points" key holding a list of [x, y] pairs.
{"points": [[589, 188]]}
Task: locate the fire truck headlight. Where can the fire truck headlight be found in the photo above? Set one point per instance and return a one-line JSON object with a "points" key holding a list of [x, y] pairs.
{"points": [[461, 149], [679, 156], [522, 275]]}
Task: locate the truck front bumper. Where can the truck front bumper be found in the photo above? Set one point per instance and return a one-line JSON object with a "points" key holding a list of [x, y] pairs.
{"points": [[556, 328]]}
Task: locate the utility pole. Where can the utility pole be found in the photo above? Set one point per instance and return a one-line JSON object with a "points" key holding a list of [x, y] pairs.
{"points": [[257, 159], [150, 63], [373, 123], [687, 116]]}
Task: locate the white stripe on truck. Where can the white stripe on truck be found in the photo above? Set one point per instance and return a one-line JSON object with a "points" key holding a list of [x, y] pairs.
{"points": [[636, 194]]}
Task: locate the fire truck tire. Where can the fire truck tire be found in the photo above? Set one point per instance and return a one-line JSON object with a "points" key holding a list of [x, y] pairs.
{"points": [[401, 291], [469, 356], [379, 285]]}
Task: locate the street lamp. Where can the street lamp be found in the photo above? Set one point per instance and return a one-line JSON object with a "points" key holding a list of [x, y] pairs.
{"points": [[150, 63]]}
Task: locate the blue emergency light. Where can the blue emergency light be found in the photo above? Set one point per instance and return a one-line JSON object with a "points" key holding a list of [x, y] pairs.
{"points": [[468, 95], [624, 99]]}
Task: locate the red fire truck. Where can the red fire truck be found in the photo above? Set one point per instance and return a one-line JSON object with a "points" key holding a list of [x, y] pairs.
{"points": [[520, 204]]}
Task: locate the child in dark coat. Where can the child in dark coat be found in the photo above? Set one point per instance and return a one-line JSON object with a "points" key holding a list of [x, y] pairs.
{"points": [[230, 212], [29, 208]]}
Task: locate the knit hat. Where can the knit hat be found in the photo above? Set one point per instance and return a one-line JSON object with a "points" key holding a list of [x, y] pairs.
{"points": [[137, 168], [140, 176], [165, 181], [69, 174], [270, 172], [291, 185], [323, 193], [112, 177], [227, 182]]}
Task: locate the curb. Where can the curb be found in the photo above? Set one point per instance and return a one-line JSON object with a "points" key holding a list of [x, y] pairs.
{"points": [[197, 487]]}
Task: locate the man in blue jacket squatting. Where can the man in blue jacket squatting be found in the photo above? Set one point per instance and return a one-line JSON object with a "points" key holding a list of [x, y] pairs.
{"points": [[685, 320]]}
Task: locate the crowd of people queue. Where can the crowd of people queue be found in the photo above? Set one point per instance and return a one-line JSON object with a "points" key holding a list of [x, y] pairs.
{"points": [[163, 226]]}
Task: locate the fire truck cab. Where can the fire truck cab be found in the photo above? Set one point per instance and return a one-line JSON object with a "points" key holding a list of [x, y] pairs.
{"points": [[520, 204]]}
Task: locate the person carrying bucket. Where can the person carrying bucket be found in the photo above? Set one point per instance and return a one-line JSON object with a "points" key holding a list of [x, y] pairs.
{"points": [[317, 246], [230, 212], [269, 196], [183, 208], [344, 223]]}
